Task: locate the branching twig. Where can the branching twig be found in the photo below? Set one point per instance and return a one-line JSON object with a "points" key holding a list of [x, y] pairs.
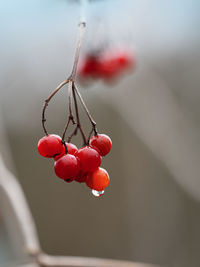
{"points": [[47, 102], [77, 118], [89, 136], [71, 81], [70, 102], [71, 117], [12, 190], [86, 110], [60, 261], [13, 194]]}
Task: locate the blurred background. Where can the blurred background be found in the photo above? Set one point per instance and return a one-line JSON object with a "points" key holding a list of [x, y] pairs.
{"points": [[151, 210]]}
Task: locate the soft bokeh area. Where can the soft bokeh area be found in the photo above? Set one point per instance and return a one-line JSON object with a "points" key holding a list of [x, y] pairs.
{"points": [[151, 210]]}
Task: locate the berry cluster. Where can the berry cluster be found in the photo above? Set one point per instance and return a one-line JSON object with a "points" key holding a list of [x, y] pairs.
{"points": [[107, 66], [73, 164], [81, 165]]}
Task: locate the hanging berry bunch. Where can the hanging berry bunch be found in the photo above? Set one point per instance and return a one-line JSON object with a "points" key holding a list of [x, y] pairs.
{"points": [[106, 65], [73, 164]]}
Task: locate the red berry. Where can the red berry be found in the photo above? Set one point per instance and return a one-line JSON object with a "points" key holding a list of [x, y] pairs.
{"points": [[81, 177], [109, 68], [89, 158], [50, 146], [98, 180], [112, 64], [124, 60], [67, 167], [59, 156], [89, 66], [102, 143], [72, 149]]}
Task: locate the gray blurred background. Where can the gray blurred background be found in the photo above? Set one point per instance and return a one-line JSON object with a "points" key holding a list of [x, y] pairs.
{"points": [[151, 210]]}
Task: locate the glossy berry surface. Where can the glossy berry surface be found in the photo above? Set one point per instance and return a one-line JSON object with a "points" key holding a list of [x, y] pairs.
{"points": [[98, 180], [50, 146], [72, 149], [102, 143], [81, 177], [67, 167], [89, 159]]}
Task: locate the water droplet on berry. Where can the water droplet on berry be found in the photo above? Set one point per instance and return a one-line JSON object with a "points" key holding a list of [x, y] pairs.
{"points": [[97, 193]]}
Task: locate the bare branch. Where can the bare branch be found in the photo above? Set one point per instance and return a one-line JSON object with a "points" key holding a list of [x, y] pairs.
{"points": [[14, 194], [71, 117], [86, 110], [12, 191], [61, 261], [77, 116]]}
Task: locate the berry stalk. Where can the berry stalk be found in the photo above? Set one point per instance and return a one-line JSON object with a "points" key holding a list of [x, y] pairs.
{"points": [[72, 92]]}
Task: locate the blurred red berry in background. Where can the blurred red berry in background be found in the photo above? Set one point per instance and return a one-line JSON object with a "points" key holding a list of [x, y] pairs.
{"points": [[107, 65]]}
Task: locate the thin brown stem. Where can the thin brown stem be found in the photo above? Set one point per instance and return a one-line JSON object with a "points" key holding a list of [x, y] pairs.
{"points": [[71, 81], [47, 102], [73, 134], [72, 91], [77, 116], [89, 136], [71, 78], [70, 102], [66, 127], [86, 110], [71, 117]]}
